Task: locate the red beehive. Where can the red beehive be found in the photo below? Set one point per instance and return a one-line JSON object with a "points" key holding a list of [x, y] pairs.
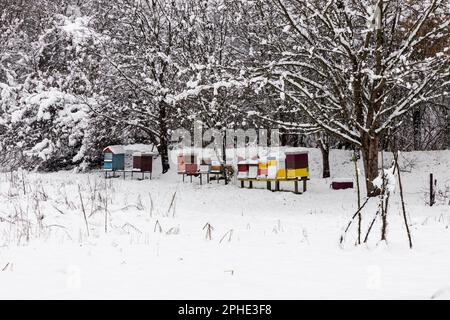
{"points": [[262, 167], [242, 169], [191, 168], [142, 162], [191, 164], [340, 184]]}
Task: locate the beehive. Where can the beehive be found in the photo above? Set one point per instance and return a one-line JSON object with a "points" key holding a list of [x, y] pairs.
{"points": [[128, 160], [262, 167], [181, 163], [242, 169], [113, 158], [142, 162], [253, 169], [276, 167], [297, 164], [281, 167], [191, 164], [205, 165], [342, 183], [216, 167]]}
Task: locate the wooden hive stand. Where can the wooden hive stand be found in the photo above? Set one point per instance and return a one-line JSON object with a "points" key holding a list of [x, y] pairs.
{"points": [[277, 183]]}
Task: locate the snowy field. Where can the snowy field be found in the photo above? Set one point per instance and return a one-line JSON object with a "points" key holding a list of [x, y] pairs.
{"points": [[262, 244]]}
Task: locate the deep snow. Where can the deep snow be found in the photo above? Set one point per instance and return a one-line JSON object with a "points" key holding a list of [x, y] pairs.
{"points": [[282, 245]]}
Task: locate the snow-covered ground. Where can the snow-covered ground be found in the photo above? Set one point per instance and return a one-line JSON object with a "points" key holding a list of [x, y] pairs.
{"points": [[263, 245]]}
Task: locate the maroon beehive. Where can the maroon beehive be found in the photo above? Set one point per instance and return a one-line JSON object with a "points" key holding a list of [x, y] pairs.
{"points": [[142, 162], [243, 169], [340, 184], [297, 164]]}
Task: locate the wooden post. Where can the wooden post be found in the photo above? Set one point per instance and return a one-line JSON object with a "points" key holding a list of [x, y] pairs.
{"points": [[242, 183], [296, 186], [304, 183], [277, 185], [251, 184], [201, 182], [269, 185], [124, 173], [431, 190], [225, 174]]}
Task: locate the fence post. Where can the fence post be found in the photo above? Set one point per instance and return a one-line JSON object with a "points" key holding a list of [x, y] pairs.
{"points": [[431, 190]]}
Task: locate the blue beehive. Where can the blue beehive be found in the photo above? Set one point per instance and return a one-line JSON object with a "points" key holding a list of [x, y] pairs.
{"points": [[114, 158]]}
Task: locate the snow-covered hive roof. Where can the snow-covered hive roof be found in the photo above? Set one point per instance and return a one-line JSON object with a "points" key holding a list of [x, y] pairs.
{"points": [[116, 149], [131, 148], [296, 152]]}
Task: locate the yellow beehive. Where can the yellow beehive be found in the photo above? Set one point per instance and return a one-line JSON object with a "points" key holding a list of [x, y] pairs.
{"points": [[276, 167], [297, 164], [262, 168]]}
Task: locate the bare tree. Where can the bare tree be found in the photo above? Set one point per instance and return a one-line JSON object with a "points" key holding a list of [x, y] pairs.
{"points": [[353, 68]]}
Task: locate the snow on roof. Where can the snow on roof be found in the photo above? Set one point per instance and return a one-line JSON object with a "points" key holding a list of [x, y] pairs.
{"points": [[139, 147], [138, 154], [296, 152], [250, 161], [131, 148], [117, 149]]}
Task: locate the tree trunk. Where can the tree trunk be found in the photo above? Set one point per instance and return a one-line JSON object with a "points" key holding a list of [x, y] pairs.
{"points": [[163, 146], [358, 193], [224, 155], [370, 140], [370, 159], [416, 128], [326, 163], [447, 121], [325, 150], [164, 154]]}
